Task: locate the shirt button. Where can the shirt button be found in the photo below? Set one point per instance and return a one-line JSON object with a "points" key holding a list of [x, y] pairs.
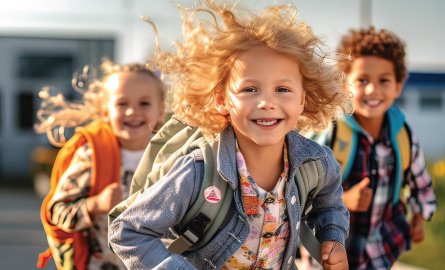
{"points": [[293, 200], [373, 171], [269, 200], [289, 261], [268, 235]]}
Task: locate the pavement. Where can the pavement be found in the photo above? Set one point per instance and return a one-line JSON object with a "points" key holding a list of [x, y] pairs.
{"points": [[22, 236]]}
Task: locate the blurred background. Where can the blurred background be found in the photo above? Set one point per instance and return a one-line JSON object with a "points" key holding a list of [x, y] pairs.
{"points": [[43, 42]]}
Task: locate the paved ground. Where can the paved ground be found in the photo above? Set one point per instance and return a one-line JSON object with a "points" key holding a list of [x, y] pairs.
{"points": [[22, 236], [21, 233], [397, 266]]}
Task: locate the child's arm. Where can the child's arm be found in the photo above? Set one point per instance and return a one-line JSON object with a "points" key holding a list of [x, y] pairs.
{"points": [[135, 235], [417, 228], [422, 199], [103, 202], [328, 215], [333, 255], [70, 207]]}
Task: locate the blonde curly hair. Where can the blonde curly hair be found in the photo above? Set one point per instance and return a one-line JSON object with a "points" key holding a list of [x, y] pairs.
{"points": [[199, 69], [56, 114]]}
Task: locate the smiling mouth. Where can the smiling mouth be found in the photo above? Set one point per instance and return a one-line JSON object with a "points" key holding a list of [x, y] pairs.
{"points": [[267, 123], [134, 125], [373, 103]]}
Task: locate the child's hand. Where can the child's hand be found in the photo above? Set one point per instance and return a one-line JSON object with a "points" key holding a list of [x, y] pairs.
{"points": [[333, 256], [105, 200], [417, 229], [358, 197]]}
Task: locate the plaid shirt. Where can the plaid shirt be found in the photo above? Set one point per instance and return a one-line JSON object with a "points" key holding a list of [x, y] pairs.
{"points": [[377, 237]]}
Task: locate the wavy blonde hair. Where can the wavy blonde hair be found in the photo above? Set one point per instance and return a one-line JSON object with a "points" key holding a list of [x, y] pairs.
{"points": [[56, 114], [199, 69]]}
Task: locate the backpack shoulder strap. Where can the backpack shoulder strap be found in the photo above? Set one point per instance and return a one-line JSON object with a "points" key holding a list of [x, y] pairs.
{"points": [[208, 212], [171, 141], [404, 143], [344, 145], [309, 180], [403, 151], [309, 176]]}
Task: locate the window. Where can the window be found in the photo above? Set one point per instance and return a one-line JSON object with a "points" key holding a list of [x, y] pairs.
{"points": [[39, 66], [430, 102], [25, 113]]}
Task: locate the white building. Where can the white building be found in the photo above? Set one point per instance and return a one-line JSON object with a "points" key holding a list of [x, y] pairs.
{"points": [[43, 42]]}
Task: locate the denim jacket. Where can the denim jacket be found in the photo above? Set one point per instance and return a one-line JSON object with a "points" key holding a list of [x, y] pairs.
{"points": [[136, 234]]}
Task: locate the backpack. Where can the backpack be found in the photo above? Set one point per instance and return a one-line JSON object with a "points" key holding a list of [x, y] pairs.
{"points": [[343, 140], [203, 219], [71, 250]]}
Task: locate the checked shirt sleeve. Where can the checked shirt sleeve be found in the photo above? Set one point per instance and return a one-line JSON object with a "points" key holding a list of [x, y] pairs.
{"points": [[422, 199]]}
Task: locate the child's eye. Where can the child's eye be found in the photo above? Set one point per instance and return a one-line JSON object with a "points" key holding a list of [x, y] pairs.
{"points": [[363, 81], [121, 104], [283, 89], [249, 89], [384, 81], [145, 103]]}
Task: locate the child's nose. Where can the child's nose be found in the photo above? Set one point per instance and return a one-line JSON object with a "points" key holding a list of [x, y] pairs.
{"points": [[370, 88], [266, 104], [267, 101], [130, 110]]}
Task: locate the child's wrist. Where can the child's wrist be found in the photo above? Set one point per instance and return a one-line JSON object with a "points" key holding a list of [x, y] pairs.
{"points": [[91, 203]]}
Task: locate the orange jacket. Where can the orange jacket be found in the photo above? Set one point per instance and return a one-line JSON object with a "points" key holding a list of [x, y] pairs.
{"points": [[106, 165]]}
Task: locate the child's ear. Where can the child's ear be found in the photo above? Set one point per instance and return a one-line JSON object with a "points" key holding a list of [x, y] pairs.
{"points": [[221, 105]]}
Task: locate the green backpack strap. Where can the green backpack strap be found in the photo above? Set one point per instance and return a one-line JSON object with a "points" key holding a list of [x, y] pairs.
{"points": [[174, 139], [309, 179], [204, 218]]}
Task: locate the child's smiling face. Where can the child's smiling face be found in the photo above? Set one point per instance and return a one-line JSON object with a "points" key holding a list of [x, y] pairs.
{"points": [[134, 108], [264, 97], [374, 86]]}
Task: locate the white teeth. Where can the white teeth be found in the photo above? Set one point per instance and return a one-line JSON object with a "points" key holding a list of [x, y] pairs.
{"points": [[372, 102], [266, 123]]}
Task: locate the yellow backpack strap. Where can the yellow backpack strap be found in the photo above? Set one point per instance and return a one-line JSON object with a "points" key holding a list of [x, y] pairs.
{"points": [[404, 143], [344, 145], [404, 147]]}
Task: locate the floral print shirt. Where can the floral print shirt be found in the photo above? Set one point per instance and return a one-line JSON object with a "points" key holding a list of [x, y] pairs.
{"points": [[68, 205], [267, 215]]}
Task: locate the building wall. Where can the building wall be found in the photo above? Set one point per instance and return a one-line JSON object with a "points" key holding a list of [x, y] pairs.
{"points": [[53, 22]]}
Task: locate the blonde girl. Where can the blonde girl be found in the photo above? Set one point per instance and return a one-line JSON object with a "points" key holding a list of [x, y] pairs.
{"points": [[249, 81], [92, 172]]}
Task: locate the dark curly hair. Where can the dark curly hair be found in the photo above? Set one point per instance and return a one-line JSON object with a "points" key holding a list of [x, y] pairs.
{"points": [[370, 42]]}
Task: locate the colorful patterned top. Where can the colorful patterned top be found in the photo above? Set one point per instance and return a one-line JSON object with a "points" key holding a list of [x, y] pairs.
{"points": [[68, 207], [267, 216]]}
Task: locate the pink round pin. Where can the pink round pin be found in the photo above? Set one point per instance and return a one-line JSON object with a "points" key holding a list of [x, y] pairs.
{"points": [[212, 194]]}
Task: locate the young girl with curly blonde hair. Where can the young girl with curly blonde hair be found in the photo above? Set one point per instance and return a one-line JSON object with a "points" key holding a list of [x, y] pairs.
{"points": [[249, 82], [92, 172]]}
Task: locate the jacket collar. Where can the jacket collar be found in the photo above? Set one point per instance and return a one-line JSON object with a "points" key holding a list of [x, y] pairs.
{"points": [[300, 150]]}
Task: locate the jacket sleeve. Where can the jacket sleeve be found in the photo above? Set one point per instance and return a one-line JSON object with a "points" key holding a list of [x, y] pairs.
{"points": [[329, 216], [135, 235], [67, 207], [422, 199]]}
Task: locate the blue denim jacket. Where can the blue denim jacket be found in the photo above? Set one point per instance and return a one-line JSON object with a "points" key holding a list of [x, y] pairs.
{"points": [[136, 234]]}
